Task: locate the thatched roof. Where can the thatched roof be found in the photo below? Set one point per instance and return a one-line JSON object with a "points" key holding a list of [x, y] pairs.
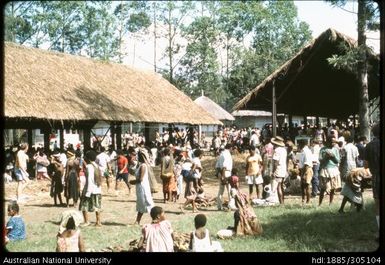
{"points": [[213, 108], [251, 113], [40, 84], [308, 85]]}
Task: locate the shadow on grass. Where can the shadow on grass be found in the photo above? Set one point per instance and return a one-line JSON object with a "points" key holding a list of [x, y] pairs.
{"points": [[113, 224], [323, 229], [53, 222], [173, 212], [122, 200], [48, 205]]}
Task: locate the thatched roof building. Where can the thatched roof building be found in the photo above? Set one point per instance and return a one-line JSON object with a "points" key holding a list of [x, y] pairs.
{"points": [[308, 85], [213, 108], [46, 85]]}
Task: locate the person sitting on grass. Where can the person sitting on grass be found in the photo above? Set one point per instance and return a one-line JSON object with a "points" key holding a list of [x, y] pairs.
{"points": [[15, 228], [245, 220], [200, 240], [157, 236], [69, 238]]}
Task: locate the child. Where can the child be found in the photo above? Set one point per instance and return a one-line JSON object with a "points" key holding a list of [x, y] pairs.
{"points": [[234, 180], [254, 172], [15, 226], [69, 238], [200, 240], [157, 236]]}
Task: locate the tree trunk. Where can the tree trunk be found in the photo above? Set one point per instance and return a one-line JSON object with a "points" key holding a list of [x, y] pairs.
{"points": [[170, 45], [362, 73], [154, 6]]}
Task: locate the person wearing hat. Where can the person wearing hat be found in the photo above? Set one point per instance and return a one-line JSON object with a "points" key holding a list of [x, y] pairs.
{"points": [[329, 173], [279, 166], [69, 238]]}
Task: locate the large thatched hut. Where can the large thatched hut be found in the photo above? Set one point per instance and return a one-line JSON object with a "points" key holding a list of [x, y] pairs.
{"points": [[307, 85], [51, 90]]}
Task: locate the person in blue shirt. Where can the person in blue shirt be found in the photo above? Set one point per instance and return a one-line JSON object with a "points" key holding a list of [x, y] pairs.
{"points": [[15, 226]]}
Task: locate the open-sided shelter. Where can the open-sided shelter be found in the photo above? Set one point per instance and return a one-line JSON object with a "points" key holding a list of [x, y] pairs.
{"points": [[307, 85]]}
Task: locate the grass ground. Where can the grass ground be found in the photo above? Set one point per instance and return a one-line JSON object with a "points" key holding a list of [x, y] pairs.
{"points": [[289, 228]]}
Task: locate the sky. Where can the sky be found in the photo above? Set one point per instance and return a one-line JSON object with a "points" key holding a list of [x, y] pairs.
{"points": [[318, 14]]}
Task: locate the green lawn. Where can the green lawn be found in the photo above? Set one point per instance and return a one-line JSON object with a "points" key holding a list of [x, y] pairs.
{"points": [[289, 228]]}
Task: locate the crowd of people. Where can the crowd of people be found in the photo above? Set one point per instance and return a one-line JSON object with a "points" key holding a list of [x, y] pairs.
{"points": [[333, 160]]}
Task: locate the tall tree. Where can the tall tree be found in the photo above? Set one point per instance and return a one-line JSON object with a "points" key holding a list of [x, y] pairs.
{"points": [[23, 22], [172, 15], [276, 35], [98, 28], [201, 67], [64, 26], [131, 18], [355, 58]]}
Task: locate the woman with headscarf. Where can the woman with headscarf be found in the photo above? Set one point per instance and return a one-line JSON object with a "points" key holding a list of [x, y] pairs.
{"points": [[71, 178], [144, 201]]}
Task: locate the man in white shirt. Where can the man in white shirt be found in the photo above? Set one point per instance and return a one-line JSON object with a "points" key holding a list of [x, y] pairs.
{"points": [[306, 169], [225, 164], [279, 166], [103, 162], [91, 200], [254, 140]]}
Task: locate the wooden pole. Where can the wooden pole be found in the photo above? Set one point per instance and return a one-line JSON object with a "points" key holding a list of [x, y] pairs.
{"points": [[274, 111], [61, 135], [29, 135], [119, 136]]}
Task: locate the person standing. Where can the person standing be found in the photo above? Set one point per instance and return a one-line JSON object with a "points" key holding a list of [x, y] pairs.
{"points": [[21, 170], [279, 166], [315, 180], [306, 170], [71, 178], [254, 172], [167, 175], [103, 162], [373, 162], [144, 201], [329, 173], [226, 165], [91, 200], [122, 174]]}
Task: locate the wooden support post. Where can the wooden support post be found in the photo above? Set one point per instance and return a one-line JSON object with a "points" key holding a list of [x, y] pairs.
{"points": [[47, 133], [61, 138], [87, 138], [317, 121], [274, 111], [29, 135], [118, 136], [113, 136], [147, 133], [305, 122]]}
